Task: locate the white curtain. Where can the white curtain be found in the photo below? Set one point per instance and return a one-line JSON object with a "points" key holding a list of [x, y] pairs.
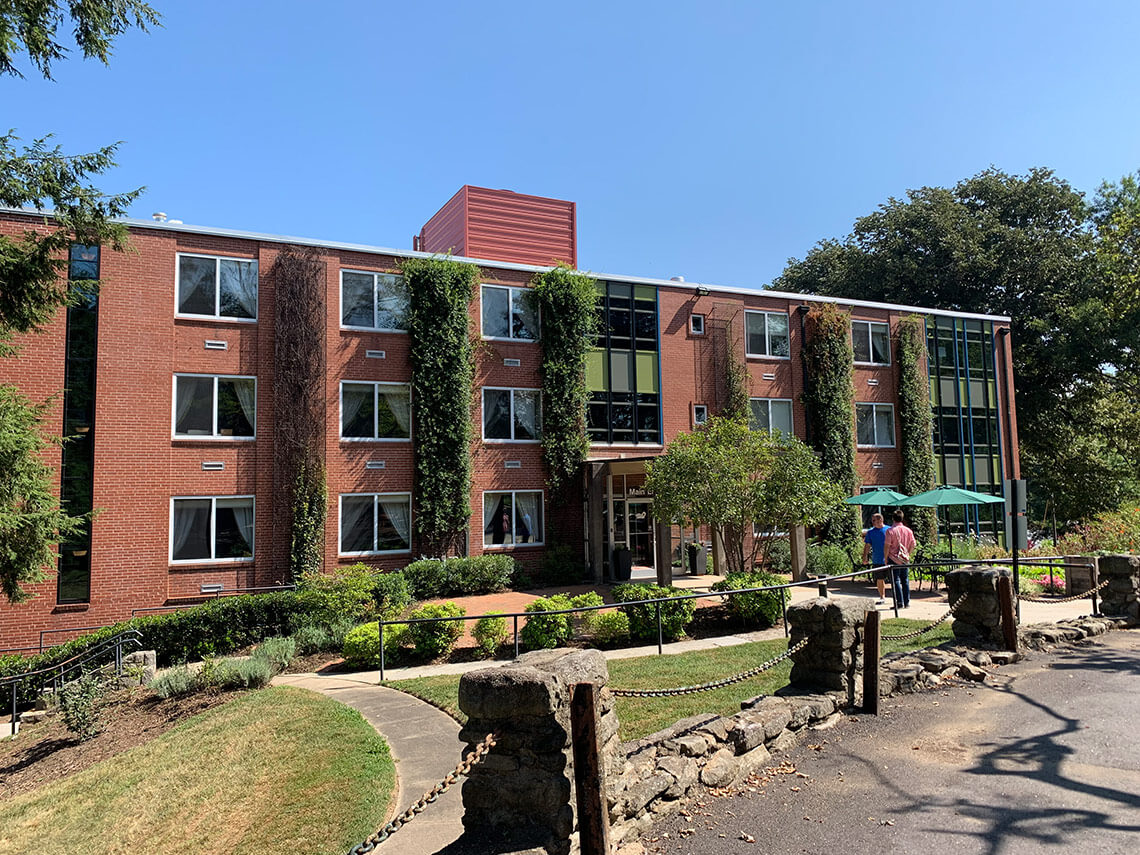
{"points": [[525, 316], [493, 532], [398, 399], [353, 396], [239, 280], [184, 398], [527, 419], [243, 516], [399, 514], [186, 514], [246, 392], [528, 518]]}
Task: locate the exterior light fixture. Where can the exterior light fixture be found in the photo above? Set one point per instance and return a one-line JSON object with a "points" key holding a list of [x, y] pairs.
{"points": [[702, 291]]}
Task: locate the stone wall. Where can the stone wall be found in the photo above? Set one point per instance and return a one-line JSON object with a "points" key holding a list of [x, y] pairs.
{"points": [[979, 617], [1121, 596]]}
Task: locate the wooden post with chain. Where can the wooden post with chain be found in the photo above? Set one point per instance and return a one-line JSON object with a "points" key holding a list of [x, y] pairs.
{"points": [[1008, 621], [589, 771], [872, 649]]}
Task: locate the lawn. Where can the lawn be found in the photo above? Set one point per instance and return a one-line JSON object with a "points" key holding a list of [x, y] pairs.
{"points": [[642, 716], [278, 770]]}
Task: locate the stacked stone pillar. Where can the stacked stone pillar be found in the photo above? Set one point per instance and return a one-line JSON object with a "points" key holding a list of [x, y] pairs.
{"points": [[979, 617], [524, 790], [1121, 596], [833, 657]]}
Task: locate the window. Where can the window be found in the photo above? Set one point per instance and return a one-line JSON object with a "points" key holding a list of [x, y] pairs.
{"points": [[697, 324], [375, 523], [375, 410], [771, 414], [700, 414], [766, 334], [872, 342], [208, 528], [373, 301], [512, 414], [508, 313], [214, 287], [875, 425], [209, 407], [512, 519]]}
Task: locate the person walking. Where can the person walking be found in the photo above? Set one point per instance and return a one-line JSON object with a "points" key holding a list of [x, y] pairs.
{"points": [[899, 546], [874, 543]]}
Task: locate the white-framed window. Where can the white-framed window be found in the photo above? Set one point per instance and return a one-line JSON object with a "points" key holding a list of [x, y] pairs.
{"points": [[211, 406], [512, 415], [373, 301], [213, 286], [771, 414], [697, 324], [508, 313], [766, 334], [512, 518], [872, 342], [375, 523], [375, 410], [211, 528], [700, 414], [875, 425]]}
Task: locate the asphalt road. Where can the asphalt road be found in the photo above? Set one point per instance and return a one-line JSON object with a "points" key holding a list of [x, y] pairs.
{"points": [[1047, 759]]}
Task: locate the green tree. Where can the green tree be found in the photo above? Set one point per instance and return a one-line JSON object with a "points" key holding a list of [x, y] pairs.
{"points": [[32, 265], [729, 477], [1017, 245]]}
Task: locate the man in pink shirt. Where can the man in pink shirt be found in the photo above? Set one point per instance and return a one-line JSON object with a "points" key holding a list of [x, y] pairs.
{"points": [[899, 547]]}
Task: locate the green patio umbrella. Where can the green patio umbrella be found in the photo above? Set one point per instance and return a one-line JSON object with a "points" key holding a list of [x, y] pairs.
{"points": [[946, 495], [881, 496]]}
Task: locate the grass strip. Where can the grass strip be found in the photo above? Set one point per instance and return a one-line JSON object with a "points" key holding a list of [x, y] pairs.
{"points": [[280, 770]]}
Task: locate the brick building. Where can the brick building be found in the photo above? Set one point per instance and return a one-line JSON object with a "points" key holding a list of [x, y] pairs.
{"points": [[168, 405]]}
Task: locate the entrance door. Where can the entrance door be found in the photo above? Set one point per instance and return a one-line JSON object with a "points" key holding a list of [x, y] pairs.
{"points": [[640, 532]]}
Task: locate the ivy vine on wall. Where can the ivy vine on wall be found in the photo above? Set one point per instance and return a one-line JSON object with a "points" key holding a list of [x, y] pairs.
{"points": [[736, 379], [916, 428], [299, 373], [830, 399], [568, 303], [440, 291]]}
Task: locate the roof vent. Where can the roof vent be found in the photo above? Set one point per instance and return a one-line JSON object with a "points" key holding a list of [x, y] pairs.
{"points": [[159, 216], [676, 278]]}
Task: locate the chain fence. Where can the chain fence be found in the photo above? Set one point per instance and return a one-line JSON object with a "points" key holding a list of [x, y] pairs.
{"points": [[714, 684], [1086, 595], [923, 630], [396, 823]]}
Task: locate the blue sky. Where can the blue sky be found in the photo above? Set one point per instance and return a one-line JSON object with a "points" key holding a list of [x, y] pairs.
{"points": [[711, 140]]}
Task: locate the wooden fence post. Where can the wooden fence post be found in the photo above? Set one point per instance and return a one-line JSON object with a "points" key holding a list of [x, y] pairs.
{"points": [[1008, 623], [872, 650], [589, 771]]}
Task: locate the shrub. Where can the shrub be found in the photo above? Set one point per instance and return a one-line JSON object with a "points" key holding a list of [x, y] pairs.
{"points": [[675, 613], [610, 627], [345, 592], [79, 703], [391, 593], [780, 556], [562, 565], [828, 560], [582, 601], [312, 638], [543, 631], [1054, 586], [174, 683], [490, 632], [431, 578], [1111, 531], [766, 607], [252, 673], [361, 646], [277, 652], [433, 640]]}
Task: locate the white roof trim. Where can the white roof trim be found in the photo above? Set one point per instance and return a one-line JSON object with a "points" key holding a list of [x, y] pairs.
{"points": [[530, 268]]}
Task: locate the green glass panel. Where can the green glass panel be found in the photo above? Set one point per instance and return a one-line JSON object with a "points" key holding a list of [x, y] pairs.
{"points": [[647, 373], [644, 292], [596, 370]]}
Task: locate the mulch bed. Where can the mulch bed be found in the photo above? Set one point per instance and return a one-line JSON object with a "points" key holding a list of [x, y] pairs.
{"points": [[45, 751]]}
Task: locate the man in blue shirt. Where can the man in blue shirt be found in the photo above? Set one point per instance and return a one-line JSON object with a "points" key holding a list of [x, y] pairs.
{"points": [[873, 543]]}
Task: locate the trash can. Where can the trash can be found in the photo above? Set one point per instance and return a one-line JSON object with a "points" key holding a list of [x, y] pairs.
{"points": [[698, 559], [622, 564]]}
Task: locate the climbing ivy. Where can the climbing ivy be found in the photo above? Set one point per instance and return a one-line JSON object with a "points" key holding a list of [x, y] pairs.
{"points": [[830, 400], [568, 304], [440, 291], [736, 379], [916, 428]]}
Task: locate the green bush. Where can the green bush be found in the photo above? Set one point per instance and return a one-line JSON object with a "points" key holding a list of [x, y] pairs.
{"points": [[312, 638], [229, 674], [828, 560], [766, 607], [432, 578], [780, 556], [79, 703], [490, 632], [278, 652], [562, 565], [433, 640], [543, 631], [346, 592], [174, 683], [582, 601], [391, 593], [610, 627], [675, 613], [361, 646]]}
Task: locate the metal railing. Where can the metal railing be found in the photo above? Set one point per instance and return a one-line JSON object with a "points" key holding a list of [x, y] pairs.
{"points": [[59, 672]]}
